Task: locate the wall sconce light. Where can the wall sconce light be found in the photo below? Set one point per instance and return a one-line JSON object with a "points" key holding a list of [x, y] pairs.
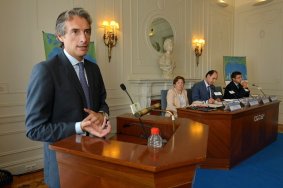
{"points": [[222, 3], [110, 35], [198, 47]]}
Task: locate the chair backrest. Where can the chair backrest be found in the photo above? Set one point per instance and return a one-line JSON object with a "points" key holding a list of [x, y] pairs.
{"points": [[189, 94], [163, 101], [219, 89]]}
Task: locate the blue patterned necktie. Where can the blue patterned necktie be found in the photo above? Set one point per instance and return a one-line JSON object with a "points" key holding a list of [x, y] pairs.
{"points": [[208, 91], [84, 83]]}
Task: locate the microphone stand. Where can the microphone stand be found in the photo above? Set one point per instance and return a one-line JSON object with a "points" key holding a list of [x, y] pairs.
{"points": [[259, 88], [171, 115], [173, 126], [129, 96], [144, 135], [234, 94]]}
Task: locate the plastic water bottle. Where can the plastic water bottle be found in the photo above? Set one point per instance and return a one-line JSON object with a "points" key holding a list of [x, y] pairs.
{"points": [[154, 140]]}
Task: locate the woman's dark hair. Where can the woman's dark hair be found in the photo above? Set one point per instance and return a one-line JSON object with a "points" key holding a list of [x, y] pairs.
{"points": [[178, 78], [211, 72]]}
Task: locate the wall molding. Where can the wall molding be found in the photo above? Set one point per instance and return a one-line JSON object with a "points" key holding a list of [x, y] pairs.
{"points": [[21, 161], [12, 132], [280, 128], [2, 154], [16, 118], [24, 165]]}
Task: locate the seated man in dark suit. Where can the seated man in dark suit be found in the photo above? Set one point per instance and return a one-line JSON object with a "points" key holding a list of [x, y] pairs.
{"points": [[204, 90], [236, 88]]}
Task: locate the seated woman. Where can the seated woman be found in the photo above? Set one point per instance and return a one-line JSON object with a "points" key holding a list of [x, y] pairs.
{"points": [[177, 96]]}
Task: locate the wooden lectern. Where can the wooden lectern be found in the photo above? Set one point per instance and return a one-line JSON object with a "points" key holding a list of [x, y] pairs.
{"points": [[123, 161]]}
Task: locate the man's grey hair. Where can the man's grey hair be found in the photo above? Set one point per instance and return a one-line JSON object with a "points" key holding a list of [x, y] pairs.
{"points": [[67, 15]]}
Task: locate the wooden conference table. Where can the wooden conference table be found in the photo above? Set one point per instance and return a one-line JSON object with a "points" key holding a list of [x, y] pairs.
{"points": [[124, 160], [234, 136]]}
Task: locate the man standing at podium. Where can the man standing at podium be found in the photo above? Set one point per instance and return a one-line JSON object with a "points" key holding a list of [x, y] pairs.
{"points": [[66, 94], [237, 88]]}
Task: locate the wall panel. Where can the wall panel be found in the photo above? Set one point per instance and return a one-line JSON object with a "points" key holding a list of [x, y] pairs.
{"points": [[133, 58], [259, 37]]}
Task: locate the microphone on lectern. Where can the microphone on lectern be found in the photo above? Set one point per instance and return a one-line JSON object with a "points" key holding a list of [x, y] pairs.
{"points": [[260, 89], [123, 87], [134, 107], [234, 94], [145, 111]]}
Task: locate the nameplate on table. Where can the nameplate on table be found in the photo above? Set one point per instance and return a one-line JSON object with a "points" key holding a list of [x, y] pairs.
{"points": [[234, 106], [218, 94], [273, 98], [253, 102], [265, 100]]}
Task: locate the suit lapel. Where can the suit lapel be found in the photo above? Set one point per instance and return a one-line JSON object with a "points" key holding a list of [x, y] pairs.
{"points": [[71, 73]]}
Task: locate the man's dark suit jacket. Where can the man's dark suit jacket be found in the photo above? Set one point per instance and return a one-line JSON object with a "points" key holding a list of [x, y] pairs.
{"points": [[55, 102], [199, 92], [239, 92]]}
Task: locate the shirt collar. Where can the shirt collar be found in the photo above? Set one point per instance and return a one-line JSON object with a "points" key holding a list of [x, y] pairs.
{"points": [[73, 60], [206, 84]]}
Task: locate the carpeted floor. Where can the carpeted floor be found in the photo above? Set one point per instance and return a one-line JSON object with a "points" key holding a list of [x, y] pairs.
{"points": [[262, 170]]}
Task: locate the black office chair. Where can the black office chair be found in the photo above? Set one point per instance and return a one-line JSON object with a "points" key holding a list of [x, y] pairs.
{"points": [[219, 89]]}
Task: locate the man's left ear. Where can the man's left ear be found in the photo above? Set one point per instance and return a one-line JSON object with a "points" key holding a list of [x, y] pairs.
{"points": [[60, 38]]}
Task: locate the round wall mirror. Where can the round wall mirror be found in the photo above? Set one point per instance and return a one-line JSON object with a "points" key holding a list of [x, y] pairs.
{"points": [[159, 31]]}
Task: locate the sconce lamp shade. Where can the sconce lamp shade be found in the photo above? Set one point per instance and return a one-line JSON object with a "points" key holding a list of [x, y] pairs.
{"points": [[105, 24], [222, 3], [114, 25], [110, 37], [199, 42]]}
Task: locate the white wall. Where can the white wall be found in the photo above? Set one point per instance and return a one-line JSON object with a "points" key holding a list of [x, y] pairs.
{"points": [[22, 23], [259, 37]]}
